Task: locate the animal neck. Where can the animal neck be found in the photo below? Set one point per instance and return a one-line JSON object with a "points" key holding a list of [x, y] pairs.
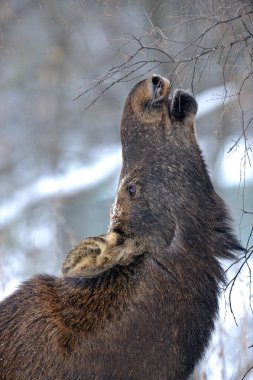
{"points": [[88, 304]]}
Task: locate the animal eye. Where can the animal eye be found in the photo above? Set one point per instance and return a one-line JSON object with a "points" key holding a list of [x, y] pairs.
{"points": [[131, 189]]}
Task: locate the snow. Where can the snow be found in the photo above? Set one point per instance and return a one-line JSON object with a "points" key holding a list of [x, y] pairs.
{"points": [[72, 181], [214, 98], [236, 167]]}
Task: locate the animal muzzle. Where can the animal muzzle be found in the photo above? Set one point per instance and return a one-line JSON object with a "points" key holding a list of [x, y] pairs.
{"points": [[159, 87]]}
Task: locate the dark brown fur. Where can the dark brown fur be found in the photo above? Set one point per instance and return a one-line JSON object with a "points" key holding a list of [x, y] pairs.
{"points": [[150, 313]]}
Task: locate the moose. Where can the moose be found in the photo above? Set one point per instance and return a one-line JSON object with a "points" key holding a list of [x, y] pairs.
{"points": [[139, 302]]}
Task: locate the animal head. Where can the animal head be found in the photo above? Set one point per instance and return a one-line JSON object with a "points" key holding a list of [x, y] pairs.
{"points": [[161, 160], [165, 201]]}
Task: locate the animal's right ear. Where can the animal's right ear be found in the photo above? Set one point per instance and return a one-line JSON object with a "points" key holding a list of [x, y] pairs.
{"points": [[182, 105], [96, 255]]}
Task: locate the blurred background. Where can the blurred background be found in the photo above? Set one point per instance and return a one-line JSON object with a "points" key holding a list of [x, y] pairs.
{"points": [[66, 68]]}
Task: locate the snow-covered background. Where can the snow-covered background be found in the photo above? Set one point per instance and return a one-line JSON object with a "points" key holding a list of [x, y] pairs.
{"points": [[59, 163]]}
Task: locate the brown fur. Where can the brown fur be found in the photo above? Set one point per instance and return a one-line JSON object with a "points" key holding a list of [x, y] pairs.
{"points": [[139, 302]]}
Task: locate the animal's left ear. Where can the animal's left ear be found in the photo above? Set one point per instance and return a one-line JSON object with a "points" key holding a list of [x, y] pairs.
{"points": [[96, 255], [182, 104]]}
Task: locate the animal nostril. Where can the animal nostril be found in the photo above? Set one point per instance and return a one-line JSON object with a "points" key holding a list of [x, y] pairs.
{"points": [[156, 80]]}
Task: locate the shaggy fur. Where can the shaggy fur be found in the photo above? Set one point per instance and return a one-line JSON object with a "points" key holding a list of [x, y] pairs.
{"points": [[139, 302]]}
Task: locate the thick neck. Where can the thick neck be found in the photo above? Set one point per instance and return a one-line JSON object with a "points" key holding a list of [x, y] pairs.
{"points": [[89, 304]]}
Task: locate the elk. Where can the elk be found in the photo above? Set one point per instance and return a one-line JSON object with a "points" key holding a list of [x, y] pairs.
{"points": [[140, 301]]}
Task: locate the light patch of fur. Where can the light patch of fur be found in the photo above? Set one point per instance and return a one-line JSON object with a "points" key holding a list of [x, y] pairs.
{"points": [[93, 256]]}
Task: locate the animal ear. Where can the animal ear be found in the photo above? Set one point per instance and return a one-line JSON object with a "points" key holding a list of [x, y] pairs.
{"points": [[182, 104], [96, 255]]}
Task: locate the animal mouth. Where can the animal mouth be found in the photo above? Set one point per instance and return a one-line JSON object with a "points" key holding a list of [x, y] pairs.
{"points": [[160, 87], [157, 86], [159, 91]]}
